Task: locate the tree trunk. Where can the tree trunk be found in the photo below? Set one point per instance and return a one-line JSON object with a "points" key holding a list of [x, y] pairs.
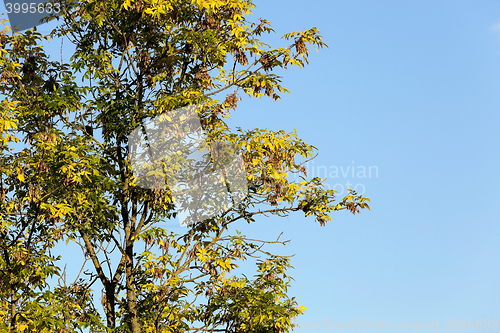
{"points": [[13, 301], [110, 305], [131, 296]]}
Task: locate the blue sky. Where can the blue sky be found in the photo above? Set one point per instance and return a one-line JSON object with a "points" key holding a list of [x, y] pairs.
{"points": [[410, 88]]}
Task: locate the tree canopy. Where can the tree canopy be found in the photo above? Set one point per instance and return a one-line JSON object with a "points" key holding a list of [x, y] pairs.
{"points": [[66, 172]]}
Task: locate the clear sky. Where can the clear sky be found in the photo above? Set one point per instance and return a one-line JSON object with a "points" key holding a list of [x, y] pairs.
{"points": [[411, 89]]}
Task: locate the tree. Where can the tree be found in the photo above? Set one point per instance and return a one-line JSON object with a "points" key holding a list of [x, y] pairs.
{"points": [[73, 180]]}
